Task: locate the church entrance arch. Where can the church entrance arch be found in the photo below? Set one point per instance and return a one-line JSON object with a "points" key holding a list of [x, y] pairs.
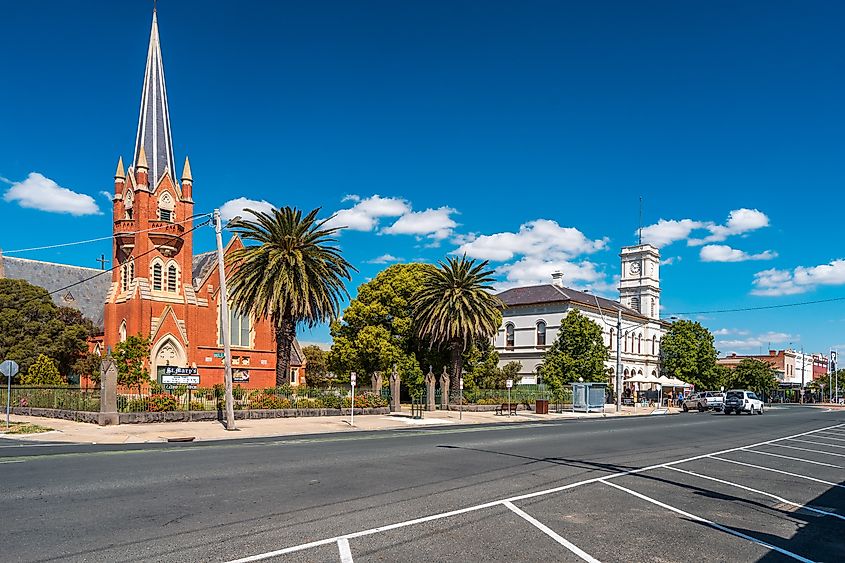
{"points": [[167, 352]]}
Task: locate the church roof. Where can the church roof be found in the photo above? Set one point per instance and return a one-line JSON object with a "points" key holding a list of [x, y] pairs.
{"points": [[549, 293], [88, 297], [154, 120], [202, 264]]}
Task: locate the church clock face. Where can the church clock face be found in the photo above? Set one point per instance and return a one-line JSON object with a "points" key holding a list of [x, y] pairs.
{"points": [[635, 268]]}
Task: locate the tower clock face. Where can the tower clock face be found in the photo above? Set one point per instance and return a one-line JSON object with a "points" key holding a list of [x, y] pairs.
{"points": [[635, 267]]}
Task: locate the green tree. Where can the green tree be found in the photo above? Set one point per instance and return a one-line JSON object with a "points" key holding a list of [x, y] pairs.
{"points": [[455, 307], [687, 353], [43, 372], [316, 368], [294, 274], [89, 366], [753, 374], [31, 324], [481, 366], [578, 351], [129, 358], [377, 328]]}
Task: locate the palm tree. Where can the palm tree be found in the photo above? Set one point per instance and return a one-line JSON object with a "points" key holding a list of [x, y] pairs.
{"points": [[455, 307], [294, 274]]}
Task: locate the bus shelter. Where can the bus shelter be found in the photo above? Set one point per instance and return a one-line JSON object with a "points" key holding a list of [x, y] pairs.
{"points": [[588, 397]]}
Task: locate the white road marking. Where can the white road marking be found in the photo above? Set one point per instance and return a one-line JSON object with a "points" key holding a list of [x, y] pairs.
{"points": [[829, 437], [326, 541], [795, 459], [806, 450], [345, 552], [817, 443], [710, 523], [759, 492], [551, 533], [832, 484]]}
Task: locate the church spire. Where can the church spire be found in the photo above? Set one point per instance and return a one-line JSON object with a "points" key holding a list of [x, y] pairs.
{"points": [[154, 120]]}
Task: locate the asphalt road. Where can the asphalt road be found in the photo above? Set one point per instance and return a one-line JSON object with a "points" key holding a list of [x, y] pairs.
{"points": [[635, 489]]}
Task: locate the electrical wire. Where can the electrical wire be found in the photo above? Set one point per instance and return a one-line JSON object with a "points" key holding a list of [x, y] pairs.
{"points": [[759, 308], [74, 243]]}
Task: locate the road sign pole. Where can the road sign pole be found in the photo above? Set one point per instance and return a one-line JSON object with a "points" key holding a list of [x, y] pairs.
{"points": [[461, 399], [224, 323], [509, 384], [8, 398], [352, 416]]}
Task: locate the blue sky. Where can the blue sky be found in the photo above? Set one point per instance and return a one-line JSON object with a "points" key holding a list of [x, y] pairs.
{"points": [[522, 132]]}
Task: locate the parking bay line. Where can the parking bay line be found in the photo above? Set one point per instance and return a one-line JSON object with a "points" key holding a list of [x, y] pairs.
{"points": [[806, 450], [816, 443], [710, 523], [831, 483], [362, 533], [345, 551], [551, 533], [795, 458], [777, 498], [826, 436]]}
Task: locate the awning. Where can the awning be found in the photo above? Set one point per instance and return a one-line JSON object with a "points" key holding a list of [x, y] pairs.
{"points": [[673, 382]]}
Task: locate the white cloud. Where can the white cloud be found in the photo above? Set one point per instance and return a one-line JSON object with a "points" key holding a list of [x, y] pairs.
{"points": [[724, 253], [739, 222], [433, 223], [365, 214], [671, 260], [666, 232], [238, 208], [535, 270], [384, 259], [108, 195], [351, 197], [802, 279], [755, 342], [542, 237], [42, 193]]}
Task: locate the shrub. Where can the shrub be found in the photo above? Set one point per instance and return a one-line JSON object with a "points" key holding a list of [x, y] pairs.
{"points": [[197, 406], [309, 403], [161, 402], [264, 401], [155, 387], [365, 401], [237, 392], [180, 390]]}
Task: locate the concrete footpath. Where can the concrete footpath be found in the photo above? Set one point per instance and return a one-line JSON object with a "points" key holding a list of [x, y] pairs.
{"points": [[80, 432]]}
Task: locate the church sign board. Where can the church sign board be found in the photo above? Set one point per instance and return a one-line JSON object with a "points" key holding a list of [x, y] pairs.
{"points": [[174, 376]]}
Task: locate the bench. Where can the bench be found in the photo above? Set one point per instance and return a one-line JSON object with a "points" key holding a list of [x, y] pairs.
{"points": [[509, 408]]}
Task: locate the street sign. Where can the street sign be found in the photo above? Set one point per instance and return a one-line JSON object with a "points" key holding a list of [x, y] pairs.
{"points": [[352, 378], [509, 383], [180, 379], [175, 370], [9, 368], [461, 382], [219, 354]]}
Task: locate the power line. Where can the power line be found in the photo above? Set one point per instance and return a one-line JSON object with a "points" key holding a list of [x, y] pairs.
{"points": [[74, 243], [760, 308]]}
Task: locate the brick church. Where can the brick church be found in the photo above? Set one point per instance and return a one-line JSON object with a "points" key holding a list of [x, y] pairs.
{"points": [[158, 287]]}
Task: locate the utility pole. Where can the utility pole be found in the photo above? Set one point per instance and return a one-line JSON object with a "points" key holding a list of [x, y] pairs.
{"points": [[618, 360], [224, 313], [803, 361]]}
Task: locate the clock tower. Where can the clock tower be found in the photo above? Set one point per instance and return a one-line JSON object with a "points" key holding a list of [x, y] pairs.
{"points": [[639, 285]]}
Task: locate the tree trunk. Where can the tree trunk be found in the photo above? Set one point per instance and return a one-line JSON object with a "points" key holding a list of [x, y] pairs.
{"points": [[456, 363], [285, 334]]}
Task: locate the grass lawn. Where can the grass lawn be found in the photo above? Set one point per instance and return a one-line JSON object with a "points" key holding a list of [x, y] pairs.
{"points": [[23, 428]]}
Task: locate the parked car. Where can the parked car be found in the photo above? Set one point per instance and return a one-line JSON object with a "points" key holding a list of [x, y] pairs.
{"points": [[740, 400], [703, 400], [695, 401]]}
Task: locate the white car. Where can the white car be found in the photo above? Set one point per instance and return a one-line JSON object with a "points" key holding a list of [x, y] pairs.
{"points": [[740, 401]]}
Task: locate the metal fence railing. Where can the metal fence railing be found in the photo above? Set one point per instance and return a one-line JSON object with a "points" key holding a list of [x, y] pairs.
{"points": [[65, 398]]}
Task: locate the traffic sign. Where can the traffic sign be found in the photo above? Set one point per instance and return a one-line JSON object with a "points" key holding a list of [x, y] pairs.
{"points": [[509, 383], [352, 378], [9, 368], [219, 354], [461, 383]]}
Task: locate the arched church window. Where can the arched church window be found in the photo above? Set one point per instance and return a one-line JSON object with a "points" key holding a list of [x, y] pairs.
{"points": [[509, 336], [157, 276], [625, 341], [171, 278], [612, 334], [166, 207], [541, 333], [653, 308], [640, 344], [654, 345]]}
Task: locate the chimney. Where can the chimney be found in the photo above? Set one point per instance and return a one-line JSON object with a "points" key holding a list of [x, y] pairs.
{"points": [[773, 352], [557, 279]]}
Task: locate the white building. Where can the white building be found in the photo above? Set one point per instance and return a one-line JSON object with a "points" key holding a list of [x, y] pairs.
{"points": [[533, 314]]}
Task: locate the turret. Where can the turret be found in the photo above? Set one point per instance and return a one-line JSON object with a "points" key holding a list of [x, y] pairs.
{"points": [[187, 181], [119, 178], [142, 169]]}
